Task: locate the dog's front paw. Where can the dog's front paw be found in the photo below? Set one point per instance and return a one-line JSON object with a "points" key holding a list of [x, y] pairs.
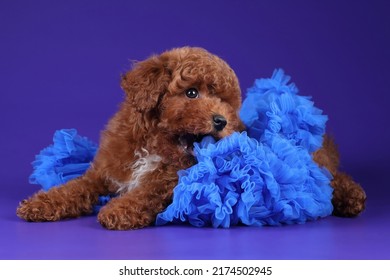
{"points": [[37, 209], [118, 218]]}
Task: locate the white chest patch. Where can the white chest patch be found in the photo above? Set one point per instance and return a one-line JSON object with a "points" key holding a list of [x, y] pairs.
{"points": [[145, 164]]}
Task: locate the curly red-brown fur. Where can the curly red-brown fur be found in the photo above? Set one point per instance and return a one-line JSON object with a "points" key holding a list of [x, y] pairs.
{"points": [[349, 197], [148, 136]]}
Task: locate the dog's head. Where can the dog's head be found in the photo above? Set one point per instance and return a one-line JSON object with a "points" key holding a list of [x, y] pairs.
{"points": [[189, 92]]}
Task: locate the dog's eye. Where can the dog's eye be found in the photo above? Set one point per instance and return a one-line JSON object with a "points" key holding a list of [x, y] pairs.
{"points": [[192, 93]]}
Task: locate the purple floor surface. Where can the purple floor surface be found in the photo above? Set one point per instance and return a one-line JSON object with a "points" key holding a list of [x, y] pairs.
{"points": [[365, 237], [60, 66]]}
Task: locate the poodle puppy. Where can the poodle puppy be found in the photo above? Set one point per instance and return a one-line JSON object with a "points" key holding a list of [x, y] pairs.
{"points": [[172, 100]]}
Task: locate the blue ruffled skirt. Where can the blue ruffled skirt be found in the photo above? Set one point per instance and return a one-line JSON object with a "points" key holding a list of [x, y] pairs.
{"points": [[242, 181]]}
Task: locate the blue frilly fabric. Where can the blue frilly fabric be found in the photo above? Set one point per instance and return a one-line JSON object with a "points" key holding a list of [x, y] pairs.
{"points": [[67, 158], [264, 176], [273, 106]]}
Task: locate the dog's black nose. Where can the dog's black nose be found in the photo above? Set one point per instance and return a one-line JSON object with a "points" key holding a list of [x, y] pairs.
{"points": [[219, 122]]}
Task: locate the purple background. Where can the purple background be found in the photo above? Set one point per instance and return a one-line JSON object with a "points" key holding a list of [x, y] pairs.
{"points": [[60, 66]]}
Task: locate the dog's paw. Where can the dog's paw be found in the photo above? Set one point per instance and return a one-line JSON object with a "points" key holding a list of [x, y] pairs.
{"points": [[117, 218], [37, 209], [349, 198]]}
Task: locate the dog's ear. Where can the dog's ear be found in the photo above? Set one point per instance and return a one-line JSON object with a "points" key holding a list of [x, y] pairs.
{"points": [[145, 83]]}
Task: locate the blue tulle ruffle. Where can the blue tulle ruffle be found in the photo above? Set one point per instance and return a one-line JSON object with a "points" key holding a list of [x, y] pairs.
{"points": [[265, 176], [67, 158], [273, 106], [240, 180]]}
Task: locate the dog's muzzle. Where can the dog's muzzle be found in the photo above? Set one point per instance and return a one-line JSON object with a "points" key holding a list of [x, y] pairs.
{"points": [[219, 122]]}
